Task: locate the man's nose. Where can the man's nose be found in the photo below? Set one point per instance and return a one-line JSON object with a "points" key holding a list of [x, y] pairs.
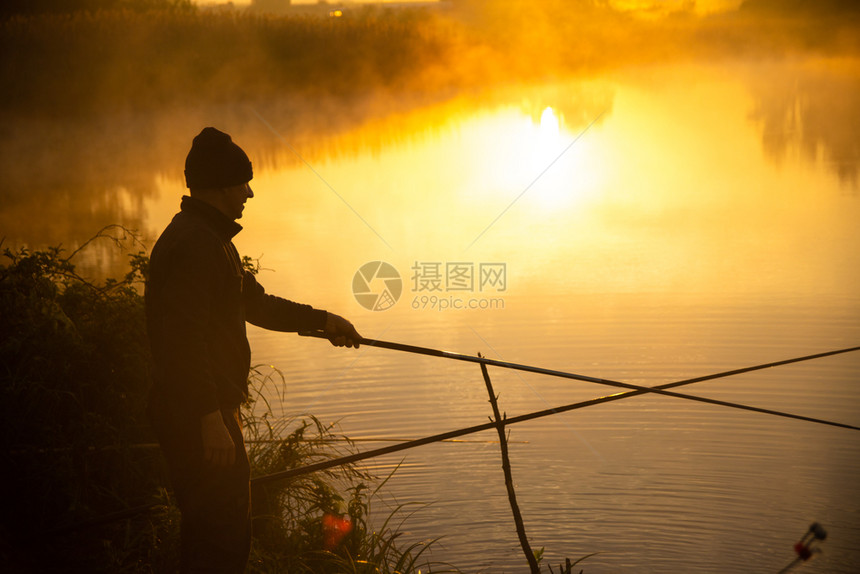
{"points": [[249, 191]]}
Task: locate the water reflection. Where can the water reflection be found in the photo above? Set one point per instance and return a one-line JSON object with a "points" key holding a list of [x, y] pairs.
{"points": [[812, 112], [661, 243], [666, 192], [63, 179], [79, 177]]}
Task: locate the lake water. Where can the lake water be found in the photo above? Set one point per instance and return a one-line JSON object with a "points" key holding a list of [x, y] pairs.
{"points": [[647, 226]]}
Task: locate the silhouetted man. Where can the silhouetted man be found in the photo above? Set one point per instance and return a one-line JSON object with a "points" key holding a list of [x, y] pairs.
{"points": [[198, 298]]}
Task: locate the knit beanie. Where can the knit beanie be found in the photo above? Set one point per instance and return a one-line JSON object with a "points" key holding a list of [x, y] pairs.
{"points": [[215, 161]]}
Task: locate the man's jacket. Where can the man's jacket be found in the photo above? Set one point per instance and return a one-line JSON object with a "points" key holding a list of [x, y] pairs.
{"points": [[198, 298]]}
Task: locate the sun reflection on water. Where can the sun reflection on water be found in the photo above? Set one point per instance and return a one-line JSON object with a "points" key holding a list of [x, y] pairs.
{"points": [[668, 192]]}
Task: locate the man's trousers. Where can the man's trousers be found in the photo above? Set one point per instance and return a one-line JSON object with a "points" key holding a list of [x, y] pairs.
{"points": [[214, 502]]}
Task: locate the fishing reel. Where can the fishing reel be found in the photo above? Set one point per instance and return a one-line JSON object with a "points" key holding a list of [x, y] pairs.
{"points": [[806, 547]]}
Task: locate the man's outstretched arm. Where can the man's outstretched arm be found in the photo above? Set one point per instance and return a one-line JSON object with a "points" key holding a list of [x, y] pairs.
{"points": [[278, 314]]}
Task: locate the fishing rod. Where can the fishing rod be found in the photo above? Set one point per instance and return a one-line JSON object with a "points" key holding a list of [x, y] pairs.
{"points": [[291, 473], [528, 416], [660, 389]]}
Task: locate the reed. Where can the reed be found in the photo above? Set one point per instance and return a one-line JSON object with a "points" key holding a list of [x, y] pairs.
{"points": [[323, 522]]}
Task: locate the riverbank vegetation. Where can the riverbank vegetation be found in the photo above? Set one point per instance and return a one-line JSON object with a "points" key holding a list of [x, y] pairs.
{"points": [[102, 94], [93, 62], [87, 491], [109, 56]]}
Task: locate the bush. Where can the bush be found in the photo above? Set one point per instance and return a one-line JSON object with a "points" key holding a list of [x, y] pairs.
{"points": [[73, 387]]}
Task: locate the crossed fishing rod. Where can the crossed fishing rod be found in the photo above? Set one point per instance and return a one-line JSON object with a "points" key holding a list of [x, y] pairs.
{"points": [[632, 391]]}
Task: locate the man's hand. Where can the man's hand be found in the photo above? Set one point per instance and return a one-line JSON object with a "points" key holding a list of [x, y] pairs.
{"points": [[341, 332], [218, 446]]}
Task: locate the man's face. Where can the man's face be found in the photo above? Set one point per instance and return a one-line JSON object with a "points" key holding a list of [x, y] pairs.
{"points": [[233, 200]]}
